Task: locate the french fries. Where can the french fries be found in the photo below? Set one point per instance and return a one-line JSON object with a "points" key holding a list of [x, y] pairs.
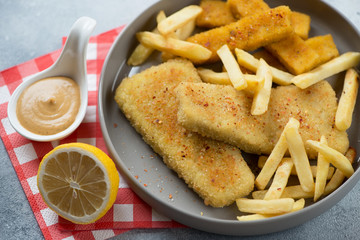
{"points": [[262, 94], [321, 173], [141, 52], [209, 76], [274, 206], [280, 179], [338, 176], [232, 68], [193, 52], [275, 158], [347, 100], [295, 192], [298, 205], [299, 157], [181, 26], [248, 61], [222, 78], [185, 31], [179, 19], [181, 34], [332, 67], [262, 160], [334, 157], [253, 82], [139, 55]]}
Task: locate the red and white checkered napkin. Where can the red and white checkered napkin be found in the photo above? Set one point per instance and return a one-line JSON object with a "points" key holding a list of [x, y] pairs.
{"points": [[129, 211]]}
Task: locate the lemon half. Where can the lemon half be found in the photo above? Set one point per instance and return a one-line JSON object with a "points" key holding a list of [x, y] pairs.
{"points": [[78, 181]]}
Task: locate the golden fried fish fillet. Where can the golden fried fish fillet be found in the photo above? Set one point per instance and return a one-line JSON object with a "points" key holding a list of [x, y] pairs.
{"points": [[222, 113], [215, 170]]}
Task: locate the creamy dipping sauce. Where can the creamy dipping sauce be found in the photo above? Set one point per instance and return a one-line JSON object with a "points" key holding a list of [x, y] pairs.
{"points": [[49, 106]]}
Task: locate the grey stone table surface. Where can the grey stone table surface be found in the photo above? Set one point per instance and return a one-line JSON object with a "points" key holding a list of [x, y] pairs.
{"points": [[29, 29]]}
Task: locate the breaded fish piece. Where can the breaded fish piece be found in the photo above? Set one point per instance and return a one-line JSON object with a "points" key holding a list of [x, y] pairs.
{"points": [[301, 23], [242, 8], [222, 113], [293, 52], [248, 33], [213, 169], [324, 46], [215, 14]]}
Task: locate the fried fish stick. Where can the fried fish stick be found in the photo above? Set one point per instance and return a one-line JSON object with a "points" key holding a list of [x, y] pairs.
{"points": [[215, 14], [300, 56], [324, 46], [301, 24], [248, 33], [215, 170], [293, 52], [242, 8]]}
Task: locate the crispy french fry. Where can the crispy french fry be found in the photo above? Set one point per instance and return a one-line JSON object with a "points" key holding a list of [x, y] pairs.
{"points": [[280, 179], [255, 216], [334, 157], [222, 78], [209, 76], [299, 157], [232, 68], [298, 205], [181, 34], [159, 18], [177, 47], [321, 173], [295, 192], [253, 82], [185, 31], [274, 206], [347, 100], [247, 60], [332, 67], [274, 159], [339, 177], [262, 160], [141, 52], [139, 55], [179, 19], [262, 94]]}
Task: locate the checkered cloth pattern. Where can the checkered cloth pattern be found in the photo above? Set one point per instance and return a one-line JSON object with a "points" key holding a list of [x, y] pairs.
{"points": [[129, 211]]}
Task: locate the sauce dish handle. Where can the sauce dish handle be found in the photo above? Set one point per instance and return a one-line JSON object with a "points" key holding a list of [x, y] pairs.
{"points": [[72, 60]]}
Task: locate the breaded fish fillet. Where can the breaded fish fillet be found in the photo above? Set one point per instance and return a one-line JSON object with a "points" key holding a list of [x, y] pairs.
{"points": [[248, 33], [222, 113], [215, 170]]}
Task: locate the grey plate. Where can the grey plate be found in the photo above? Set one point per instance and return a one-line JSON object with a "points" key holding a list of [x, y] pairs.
{"points": [[132, 155]]}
